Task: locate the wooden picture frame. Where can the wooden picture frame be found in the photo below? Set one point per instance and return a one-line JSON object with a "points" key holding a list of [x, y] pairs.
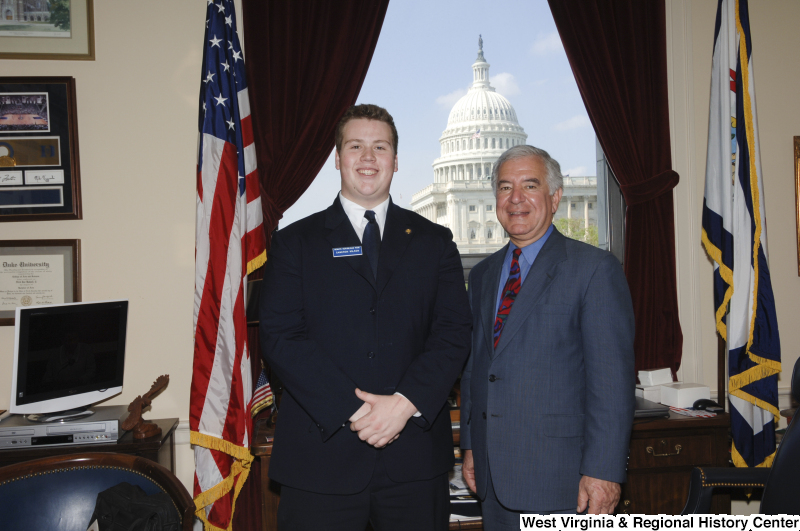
{"points": [[38, 272], [797, 195], [39, 156], [40, 39]]}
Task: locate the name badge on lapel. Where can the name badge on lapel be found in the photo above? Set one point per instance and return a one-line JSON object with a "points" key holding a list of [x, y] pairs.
{"points": [[347, 251]]}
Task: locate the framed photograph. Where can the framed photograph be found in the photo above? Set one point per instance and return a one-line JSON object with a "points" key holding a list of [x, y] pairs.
{"points": [[39, 162], [797, 195], [47, 29], [38, 272]]}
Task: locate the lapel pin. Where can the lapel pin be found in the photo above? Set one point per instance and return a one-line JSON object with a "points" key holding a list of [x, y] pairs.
{"points": [[408, 231]]}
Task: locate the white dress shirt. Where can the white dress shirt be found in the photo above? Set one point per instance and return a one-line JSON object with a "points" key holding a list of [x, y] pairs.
{"points": [[355, 213]]}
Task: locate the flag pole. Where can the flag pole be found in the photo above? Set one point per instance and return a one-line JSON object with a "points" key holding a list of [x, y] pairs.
{"points": [[722, 391]]}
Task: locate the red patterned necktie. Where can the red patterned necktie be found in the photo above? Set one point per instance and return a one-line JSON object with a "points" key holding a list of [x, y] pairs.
{"points": [[510, 291]]}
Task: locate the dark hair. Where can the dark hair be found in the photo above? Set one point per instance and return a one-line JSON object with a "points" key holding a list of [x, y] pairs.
{"points": [[554, 178], [370, 112]]}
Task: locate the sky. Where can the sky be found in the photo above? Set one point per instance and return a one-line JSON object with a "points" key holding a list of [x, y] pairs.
{"points": [[422, 65]]}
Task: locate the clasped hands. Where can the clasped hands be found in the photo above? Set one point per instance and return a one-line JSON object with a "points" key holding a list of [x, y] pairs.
{"points": [[381, 418]]}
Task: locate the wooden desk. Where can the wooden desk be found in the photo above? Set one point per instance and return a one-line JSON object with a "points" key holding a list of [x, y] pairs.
{"points": [[160, 449], [658, 480], [270, 491]]}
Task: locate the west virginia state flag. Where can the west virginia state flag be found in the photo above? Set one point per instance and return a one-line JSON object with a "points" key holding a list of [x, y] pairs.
{"points": [[735, 236]]}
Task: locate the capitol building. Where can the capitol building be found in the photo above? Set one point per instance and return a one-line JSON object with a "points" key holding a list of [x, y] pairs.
{"points": [[481, 126]]}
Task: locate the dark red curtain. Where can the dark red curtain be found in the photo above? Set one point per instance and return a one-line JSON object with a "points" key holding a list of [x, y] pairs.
{"points": [[617, 50], [306, 61]]}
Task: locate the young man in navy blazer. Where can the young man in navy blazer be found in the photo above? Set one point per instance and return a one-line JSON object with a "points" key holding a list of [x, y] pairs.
{"points": [[365, 319], [547, 396]]}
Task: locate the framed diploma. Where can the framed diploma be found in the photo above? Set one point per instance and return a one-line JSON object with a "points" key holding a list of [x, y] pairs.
{"points": [[39, 164], [38, 272]]}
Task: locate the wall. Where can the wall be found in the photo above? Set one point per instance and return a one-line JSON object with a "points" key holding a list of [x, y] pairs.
{"points": [[137, 121], [690, 30]]}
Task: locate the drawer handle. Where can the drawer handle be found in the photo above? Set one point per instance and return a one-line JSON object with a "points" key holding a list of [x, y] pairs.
{"points": [[651, 451]]}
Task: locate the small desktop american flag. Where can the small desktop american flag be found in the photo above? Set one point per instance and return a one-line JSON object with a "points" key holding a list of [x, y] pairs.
{"points": [[262, 397]]}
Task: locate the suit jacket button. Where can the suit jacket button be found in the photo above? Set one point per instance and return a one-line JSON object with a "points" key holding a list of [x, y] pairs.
{"points": [[492, 377], [372, 311], [371, 355], [484, 415]]}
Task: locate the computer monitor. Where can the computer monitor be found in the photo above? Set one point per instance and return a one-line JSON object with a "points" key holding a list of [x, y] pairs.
{"points": [[67, 357]]}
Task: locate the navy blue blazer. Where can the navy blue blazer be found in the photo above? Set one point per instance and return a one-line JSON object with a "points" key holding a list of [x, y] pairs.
{"points": [[327, 326], [555, 400]]}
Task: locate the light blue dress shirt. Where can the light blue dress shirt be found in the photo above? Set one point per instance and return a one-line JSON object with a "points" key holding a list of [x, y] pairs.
{"points": [[526, 258]]}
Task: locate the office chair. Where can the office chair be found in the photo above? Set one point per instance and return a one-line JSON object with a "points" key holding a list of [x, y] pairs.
{"points": [[780, 482], [58, 493]]}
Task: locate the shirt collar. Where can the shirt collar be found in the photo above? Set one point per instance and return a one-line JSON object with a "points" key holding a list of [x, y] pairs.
{"points": [[355, 213], [531, 251]]}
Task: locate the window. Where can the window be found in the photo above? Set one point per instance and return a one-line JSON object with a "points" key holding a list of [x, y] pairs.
{"points": [[611, 208], [545, 101], [489, 234]]}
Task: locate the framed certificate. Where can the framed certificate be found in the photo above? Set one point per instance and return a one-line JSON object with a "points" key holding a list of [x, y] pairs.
{"points": [[39, 166], [38, 272]]}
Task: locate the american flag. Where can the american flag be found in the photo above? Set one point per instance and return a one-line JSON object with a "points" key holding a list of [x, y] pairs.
{"points": [[262, 397], [477, 134], [229, 244]]}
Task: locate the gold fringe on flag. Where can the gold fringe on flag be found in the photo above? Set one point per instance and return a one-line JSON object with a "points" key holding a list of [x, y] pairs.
{"points": [[239, 469], [256, 262]]}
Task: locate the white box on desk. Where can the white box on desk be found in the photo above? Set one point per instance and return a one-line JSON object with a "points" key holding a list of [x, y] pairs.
{"points": [[683, 395], [654, 377], [649, 392]]}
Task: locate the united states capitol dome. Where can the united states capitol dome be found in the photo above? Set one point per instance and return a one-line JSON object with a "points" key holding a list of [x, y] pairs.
{"points": [[481, 103], [482, 124]]}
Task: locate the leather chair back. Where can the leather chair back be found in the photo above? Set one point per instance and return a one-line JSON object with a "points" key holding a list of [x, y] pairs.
{"points": [[59, 493]]}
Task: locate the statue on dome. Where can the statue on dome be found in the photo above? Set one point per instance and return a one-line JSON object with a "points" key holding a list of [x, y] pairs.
{"points": [[480, 42]]}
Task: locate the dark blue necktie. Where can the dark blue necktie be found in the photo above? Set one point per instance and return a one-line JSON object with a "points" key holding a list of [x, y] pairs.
{"points": [[372, 241]]}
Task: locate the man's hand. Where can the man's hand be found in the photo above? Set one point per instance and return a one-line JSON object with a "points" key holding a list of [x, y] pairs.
{"points": [[386, 419], [598, 495], [468, 471], [363, 410]]}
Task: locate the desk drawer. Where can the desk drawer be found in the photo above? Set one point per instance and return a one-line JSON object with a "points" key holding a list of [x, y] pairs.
{"points": [[660, 452]]}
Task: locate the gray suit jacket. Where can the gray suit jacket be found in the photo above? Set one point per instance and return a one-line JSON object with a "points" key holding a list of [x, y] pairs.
{"points": [[555, 400]]}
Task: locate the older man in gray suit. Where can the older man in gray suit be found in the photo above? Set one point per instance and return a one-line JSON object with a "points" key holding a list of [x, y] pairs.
{"points": [[548, 391]]}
